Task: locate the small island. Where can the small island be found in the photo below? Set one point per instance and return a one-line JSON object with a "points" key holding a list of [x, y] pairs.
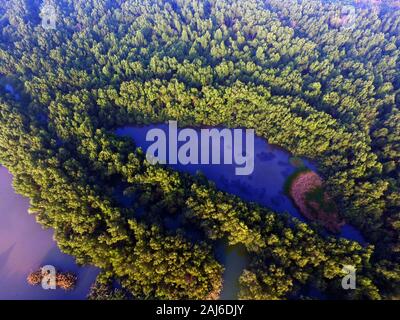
{"points": [[64, 280], [305, 188]]}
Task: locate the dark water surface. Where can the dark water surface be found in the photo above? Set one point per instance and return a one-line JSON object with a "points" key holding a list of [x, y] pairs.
{"points": [[264, 186]]}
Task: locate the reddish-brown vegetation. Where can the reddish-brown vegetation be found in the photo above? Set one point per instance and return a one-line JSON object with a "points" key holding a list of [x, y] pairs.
{"points": [[64, 281], [299, 190], [35, 278]]}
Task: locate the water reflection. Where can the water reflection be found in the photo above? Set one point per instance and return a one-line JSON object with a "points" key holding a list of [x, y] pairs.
{"points": [[272, 166], [25, 246]]}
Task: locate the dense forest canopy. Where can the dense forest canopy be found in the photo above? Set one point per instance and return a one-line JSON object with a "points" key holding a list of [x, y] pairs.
{"points": [[320, 82]]}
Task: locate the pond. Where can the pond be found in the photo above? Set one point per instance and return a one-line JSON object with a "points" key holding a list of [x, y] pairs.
{"points": [[265, 186], [25, 246]]}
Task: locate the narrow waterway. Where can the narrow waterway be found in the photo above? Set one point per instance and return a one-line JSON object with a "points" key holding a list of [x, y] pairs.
{"points": [[265, 186]]}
